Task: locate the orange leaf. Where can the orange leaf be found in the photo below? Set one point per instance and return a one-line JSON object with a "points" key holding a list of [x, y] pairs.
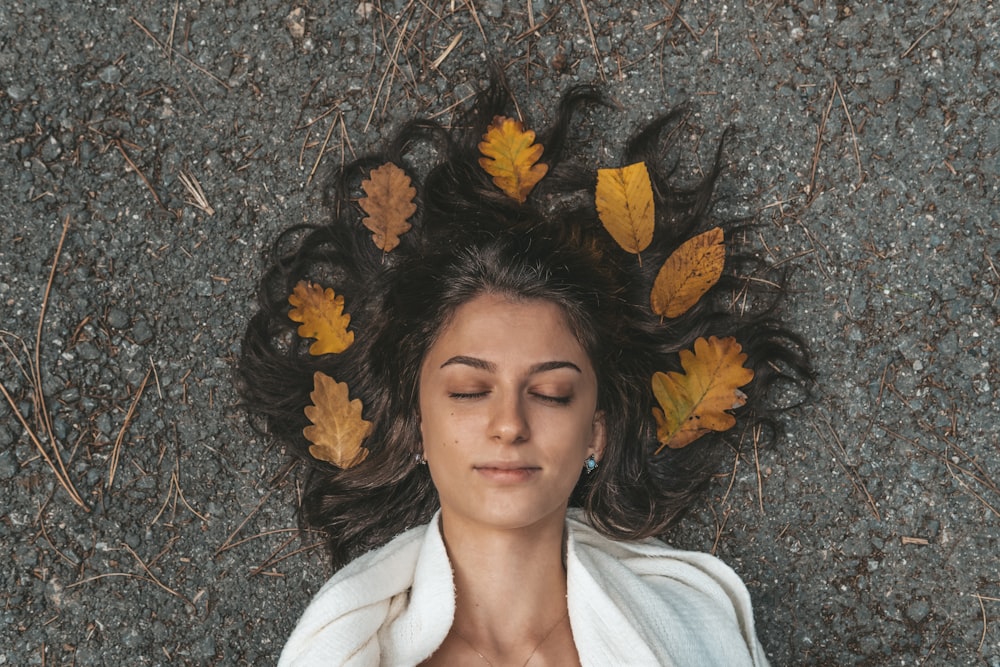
{"points": [[688, 273], [624, 201], [338, 429], [321, 314], [511, 157], [389, 204], [695, 402]]}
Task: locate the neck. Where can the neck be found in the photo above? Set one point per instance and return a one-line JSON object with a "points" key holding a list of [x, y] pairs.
{"points": [[510, 584]]}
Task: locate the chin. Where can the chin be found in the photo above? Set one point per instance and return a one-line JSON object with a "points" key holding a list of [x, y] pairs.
{"points": [[514, 515]]}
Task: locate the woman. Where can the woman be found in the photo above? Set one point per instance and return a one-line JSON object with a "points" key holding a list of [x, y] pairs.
{"points": [[506, 477]]}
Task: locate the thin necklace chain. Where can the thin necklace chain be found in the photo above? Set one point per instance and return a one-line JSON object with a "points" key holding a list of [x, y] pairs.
{"points": [[533, 651]]}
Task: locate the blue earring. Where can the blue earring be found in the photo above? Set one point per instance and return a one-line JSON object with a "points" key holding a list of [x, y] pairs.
{"points": [[590, 464]]}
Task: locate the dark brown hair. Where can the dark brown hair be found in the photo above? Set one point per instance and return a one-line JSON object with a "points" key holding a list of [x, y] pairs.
{"points": [[470, 239]]}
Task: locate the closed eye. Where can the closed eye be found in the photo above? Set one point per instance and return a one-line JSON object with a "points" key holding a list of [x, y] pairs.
{"points": [[555, 400], [467, 396]]}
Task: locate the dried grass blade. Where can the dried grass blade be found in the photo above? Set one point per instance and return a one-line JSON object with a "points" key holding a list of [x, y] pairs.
{"points": [[198, 198]]}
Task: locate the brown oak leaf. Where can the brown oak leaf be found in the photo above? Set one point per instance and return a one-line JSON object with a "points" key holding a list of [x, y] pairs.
{"points": [[695, 402], [510, 156], [321, 316], [338, 428], [389, 204]]}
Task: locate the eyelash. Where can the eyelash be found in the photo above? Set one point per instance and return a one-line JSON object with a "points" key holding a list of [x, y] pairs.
{"points": [[467, 397], [555, 400]]}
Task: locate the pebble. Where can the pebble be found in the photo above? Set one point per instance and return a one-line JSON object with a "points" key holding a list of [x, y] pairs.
{"points": [[117, 318], [8, 464], [88, 351], [18, 93], [51, 150], [142, 333], [917, 610], [103, 423], [110, 75]]}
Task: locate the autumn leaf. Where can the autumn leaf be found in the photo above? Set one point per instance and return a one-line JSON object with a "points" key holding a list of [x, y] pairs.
{"points": [[624, 201], [688, 273], [695, 402], [338, 429], [389, 204], [511, 157], [321, 314]]}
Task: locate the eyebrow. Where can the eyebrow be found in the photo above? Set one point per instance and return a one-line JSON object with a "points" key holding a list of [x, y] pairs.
{"points": [[491, 367]]}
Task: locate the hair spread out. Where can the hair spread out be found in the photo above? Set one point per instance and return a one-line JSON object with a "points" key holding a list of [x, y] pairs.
{"points": [[469, 239]]}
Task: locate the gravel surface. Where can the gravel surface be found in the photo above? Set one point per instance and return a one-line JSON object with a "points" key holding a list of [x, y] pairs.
{"points": [[867, 143]]}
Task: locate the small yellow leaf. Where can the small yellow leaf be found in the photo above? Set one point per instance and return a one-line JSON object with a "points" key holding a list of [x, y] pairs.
{"points": [[321, 314], [389, 204], [688, 273], [695, 402], [338, 429], [511, 157], [624, 201]]}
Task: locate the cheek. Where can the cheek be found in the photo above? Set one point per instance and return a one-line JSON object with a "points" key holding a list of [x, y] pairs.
{"points": [[438, 432]]}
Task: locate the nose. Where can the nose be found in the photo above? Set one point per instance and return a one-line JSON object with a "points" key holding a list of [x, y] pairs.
{"points": [[508, 421]]}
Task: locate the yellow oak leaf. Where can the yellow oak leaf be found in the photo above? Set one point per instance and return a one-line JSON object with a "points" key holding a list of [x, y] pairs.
{"points": [[338, 429], [510, 156], [688, 273], [624, 201], [389, 204], [321, 316], [695, 402]]}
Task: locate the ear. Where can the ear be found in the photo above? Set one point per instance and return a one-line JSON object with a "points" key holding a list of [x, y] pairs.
{"points": [[599, 439]]}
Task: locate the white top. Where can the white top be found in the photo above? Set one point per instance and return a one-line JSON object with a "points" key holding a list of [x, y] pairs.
{"points": [[630, 603]]}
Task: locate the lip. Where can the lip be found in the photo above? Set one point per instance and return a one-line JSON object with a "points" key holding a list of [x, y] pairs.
{"points": [[506, 473]]}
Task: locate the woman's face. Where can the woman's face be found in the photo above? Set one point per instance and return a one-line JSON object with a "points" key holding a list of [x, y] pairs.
{"points": [[508, 413]]}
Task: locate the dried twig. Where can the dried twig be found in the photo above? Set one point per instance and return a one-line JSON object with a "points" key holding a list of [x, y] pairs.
{"points": [[183, 57], [116, 450], [272, 560], [448, 49], [174, 492], [841, 460], [948, 464], [34, 377], [819, 144], [266, 533], [719, 530], [593, 40], [173, 25], [47, 420], [475, 19], [388, 69], [330, 109], [227, 543], [982, 608], [756, 462], [152, 577], [322, 149], [533, 27], [732, 480], [121, 149], [668, 20], [929, 30], [854, 135], [448, 109]]}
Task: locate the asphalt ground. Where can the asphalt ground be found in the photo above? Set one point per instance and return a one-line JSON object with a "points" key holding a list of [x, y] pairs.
{"points": [[866, 144]]}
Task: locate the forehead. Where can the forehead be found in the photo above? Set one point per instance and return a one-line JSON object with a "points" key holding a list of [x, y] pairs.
{"points": [[496, 325]]}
